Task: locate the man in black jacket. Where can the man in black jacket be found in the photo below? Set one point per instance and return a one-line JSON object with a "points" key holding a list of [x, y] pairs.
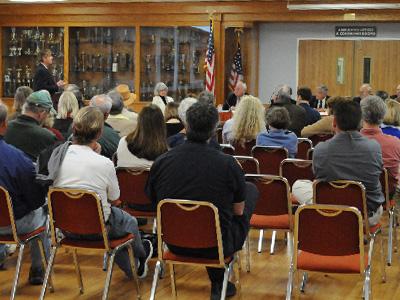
{"points": [[28, 198], [43, 79]]}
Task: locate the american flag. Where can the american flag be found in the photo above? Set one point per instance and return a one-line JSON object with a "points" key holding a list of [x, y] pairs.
{"points": [[236, 70], [210, 61]]}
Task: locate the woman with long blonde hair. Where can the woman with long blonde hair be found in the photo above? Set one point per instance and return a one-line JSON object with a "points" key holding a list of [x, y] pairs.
{"points": [[247, 122]]}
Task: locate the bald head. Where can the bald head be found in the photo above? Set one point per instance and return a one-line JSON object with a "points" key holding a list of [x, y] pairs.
{"points": [[240, 89], [365, 90]]}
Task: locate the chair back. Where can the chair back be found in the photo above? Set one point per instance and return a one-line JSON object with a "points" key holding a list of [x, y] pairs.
{"points": [[342, 192], [384, 179], [219, 135], [78, 212], [303, 146], [132, 184], [7, 215], [244, 149], [310, 153], [269, 158], [274, 198], [294, 169], [249, 164], [317, 138], [228, 149], [172, 214], [225, 115], [329, 230]]}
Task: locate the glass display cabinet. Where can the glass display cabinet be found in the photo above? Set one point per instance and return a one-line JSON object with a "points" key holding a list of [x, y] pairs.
{"points": [[21, 48], [175, 56], [100, 58]]}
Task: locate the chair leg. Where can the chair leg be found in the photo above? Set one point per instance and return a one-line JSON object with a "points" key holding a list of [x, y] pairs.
{"points": [[105, 261], [383, 266], [134, 273], [273, 238], [108, 276], [248, 254], [225, 282], [395, 226], [78, 271], [44, 259], [367, 285], [304, 282], [237, 277], [154, 226], [289, 287], [173, 283], [48, 272], [260, 241], [156, 276], [17, 270], [390, 239]]}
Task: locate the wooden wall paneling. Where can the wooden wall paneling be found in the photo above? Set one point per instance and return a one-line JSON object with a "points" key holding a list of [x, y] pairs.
{"points": [[137, 63], [385, 63], [230, 48], [1, 62], [317, 63], [219, 41], [66, 54]]}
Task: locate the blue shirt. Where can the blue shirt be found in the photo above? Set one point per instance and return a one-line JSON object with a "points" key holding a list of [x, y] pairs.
{"points": [[312, 115], [391, 130], [279, 137], [17, 176]]}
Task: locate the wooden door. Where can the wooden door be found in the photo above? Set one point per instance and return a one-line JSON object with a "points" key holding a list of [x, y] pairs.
{"points": [[318, 63]]}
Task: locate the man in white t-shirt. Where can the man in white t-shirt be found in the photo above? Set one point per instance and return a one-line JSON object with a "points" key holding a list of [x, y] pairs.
{"points": [[84, 168]]}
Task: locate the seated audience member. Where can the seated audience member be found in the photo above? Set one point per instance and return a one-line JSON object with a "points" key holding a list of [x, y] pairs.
{"points": [[120, 119], [67, 109], [180, 137], [391, 121], [109, 139], [206, 97], [351, 156], [172, 121], [84, 168], [297, 113], [324, 125], [26, 132], [148, 141], [128, 97], [397, 95], [18, 178], [196, 171], [383, 95], [277, 133], [321, 98], [247, 122], [234, 98], [283, 89], [160, 96], [76, 91], [303, 99], [365, 91], [20, 96], [373, 111]]}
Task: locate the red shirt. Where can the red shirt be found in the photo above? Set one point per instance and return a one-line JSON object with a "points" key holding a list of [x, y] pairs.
{"points": [[390, 152]]}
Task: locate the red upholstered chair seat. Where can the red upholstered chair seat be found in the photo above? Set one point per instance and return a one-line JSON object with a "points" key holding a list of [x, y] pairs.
{"points": [[95, 244], [270, 222], [23, 237], [168, 255], [329, 264]]}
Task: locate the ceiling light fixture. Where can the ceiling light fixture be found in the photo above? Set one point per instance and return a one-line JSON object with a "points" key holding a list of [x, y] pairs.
{"points": [[353, 6]]}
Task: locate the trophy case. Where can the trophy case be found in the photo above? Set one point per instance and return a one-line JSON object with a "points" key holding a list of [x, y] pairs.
{"points": [[175, 56], [21, 48], [100, 58]]}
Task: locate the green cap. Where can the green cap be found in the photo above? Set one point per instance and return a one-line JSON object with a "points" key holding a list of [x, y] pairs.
{"points": [[42, 99]]}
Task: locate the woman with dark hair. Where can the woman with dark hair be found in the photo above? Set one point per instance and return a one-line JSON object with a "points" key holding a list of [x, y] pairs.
{"points": [[148, 141], [172, 120]]}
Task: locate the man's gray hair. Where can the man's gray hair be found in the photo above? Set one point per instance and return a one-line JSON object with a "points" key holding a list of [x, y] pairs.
{"points": [[3, 112], [161, 86], [117, 102], [30, 107], [206, 97], [102, 102], [184, 106], [323, 88], [244, 85], [373, 110]]}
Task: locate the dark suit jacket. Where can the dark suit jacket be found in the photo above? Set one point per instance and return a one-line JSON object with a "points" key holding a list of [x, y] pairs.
{"points": [[43, 80], [230, 101], [314, 102]]}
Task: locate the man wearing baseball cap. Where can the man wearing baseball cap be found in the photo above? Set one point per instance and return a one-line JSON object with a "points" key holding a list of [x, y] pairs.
{"points": [[25, 132]]}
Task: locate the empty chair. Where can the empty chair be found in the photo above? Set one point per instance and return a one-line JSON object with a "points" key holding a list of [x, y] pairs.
{"points": [[171, 214], [21, 240], [269, 158], [250, 165], [244, 149], [317, 138], [273, 209], [329, 239], [80, 212], [303, 146], [228, 149]]}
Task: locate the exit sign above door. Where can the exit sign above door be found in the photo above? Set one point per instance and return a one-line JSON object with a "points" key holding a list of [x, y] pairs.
{"points": [[355, 31]]}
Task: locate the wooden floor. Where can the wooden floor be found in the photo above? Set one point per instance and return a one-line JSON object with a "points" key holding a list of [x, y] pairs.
{"points": [[267, 280]]}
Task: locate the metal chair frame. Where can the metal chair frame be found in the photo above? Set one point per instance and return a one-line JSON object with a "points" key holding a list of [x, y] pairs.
{"points": [[307, 141], [76, 194], [300, 163], [242, 159], [269, 149], [189, 205], [227, 149]]}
